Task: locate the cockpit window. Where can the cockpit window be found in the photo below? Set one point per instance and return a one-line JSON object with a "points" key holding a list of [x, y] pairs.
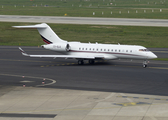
{"points": [[145, 50]]}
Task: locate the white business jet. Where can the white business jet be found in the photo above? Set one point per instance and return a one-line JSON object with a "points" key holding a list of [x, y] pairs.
{"points": [[87, 51]]}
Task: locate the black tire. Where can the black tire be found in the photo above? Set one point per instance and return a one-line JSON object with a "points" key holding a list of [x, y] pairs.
{"points": [[144, 65], [80, 62], [91, 61]]}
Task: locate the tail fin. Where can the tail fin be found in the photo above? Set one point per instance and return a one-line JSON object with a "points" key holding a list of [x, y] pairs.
{"points": [[46, 33]]}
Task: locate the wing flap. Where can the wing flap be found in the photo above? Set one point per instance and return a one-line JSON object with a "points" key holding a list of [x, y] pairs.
{"points": [[63, 56], [57, 56]]}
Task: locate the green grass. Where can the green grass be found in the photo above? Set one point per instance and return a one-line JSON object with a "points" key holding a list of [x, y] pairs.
{"points": [[161, 59], [154, 37], [85, 8], [89, 3]]}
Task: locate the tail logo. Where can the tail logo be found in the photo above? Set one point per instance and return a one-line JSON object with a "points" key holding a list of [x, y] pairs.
{"points": [[45, 40]]}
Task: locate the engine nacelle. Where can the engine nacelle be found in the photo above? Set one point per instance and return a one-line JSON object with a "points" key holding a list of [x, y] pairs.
{"points": [[61, 47]]}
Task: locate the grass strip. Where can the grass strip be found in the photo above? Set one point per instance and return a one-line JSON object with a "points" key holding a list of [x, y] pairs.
{"points": [[151, 37], [155, 9]]}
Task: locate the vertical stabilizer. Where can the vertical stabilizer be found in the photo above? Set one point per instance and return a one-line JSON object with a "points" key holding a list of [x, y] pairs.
{"points": [[47, 34]]}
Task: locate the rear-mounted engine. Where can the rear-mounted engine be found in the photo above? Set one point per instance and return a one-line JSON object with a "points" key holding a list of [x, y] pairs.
{"points": [[57, 47]]}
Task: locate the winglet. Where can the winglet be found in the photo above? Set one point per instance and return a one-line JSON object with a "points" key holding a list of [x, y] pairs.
{"points": [[23, 52]]}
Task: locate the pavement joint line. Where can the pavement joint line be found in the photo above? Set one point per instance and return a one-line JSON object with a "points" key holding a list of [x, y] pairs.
{"points": [[143, 98], [53, 81]]}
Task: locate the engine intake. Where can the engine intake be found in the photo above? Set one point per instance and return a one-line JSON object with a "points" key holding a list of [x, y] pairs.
{"points": [[64, 47]]}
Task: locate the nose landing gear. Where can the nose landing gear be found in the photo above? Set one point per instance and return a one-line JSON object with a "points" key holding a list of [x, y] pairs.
{"points": [[145, 63]]}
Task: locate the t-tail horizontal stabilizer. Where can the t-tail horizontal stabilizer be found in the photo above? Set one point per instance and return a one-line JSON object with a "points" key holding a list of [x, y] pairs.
{"points": [[47, 34]]}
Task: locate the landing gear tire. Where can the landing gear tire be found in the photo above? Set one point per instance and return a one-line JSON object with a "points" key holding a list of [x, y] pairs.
{"points": [[91, 61], [80, 62], [145, 64]]}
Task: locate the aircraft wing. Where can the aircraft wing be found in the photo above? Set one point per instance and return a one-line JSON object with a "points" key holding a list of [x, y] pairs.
{"points": [[57, 56]]}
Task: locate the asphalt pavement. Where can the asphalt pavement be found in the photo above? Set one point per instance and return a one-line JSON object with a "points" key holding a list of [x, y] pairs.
{"points": [[124, 76]]}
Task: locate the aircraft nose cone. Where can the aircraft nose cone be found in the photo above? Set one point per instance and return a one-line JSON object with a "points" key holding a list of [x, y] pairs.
{"points": [[152, 56], [155, 56]]}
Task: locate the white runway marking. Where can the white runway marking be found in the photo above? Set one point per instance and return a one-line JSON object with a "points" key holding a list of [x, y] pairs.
{"points": [[26, 81], [52, 81]]}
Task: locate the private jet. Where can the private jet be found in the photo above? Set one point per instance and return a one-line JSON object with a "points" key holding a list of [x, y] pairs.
{"points": [[87, 51]]}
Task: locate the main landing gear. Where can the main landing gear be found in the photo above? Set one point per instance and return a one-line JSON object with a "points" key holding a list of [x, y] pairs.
{"points": [[91, 61], [81, 62], [145, 63]]}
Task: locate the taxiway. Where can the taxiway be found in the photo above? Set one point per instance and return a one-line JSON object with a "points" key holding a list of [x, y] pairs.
{"points": [[85, 20]]}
